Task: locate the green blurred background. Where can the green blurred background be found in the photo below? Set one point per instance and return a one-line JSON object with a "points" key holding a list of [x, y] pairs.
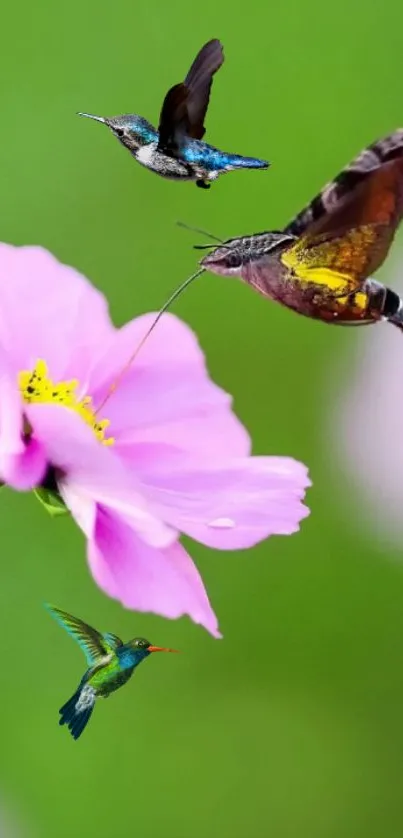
{"points": [[293, 724]]}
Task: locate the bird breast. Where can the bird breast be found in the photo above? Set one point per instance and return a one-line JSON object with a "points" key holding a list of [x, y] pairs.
{"points": [[170, 167]]}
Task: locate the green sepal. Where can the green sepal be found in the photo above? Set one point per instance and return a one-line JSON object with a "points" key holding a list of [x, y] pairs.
{"points": [[52, 502]]}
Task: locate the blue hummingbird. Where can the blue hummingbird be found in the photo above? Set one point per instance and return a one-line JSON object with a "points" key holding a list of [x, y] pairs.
{"points": [[176, 150], [110, 665]]}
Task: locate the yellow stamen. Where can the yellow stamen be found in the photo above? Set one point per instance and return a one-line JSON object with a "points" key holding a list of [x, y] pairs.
{"points": [[36, 387]]}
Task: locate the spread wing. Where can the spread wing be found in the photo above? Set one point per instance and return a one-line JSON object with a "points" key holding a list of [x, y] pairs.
{"points": [[93, 644], [354, 237], [185, 105], [112, 641], [360, 170]]}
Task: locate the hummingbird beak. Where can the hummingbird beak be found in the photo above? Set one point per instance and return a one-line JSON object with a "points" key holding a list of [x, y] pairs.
{"points": [[161, 649], [92, 116]]}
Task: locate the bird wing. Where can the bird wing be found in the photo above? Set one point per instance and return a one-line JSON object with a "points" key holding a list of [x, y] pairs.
{"points": [[112, 641], [185, 105], [92, 643]]}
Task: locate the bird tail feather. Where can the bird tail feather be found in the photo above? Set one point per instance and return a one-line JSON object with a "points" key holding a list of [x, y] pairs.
{"points": [[239, 162], [77, 711]]}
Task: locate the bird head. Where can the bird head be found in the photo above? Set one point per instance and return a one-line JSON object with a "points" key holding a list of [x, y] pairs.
{"points": [[143, 647], [131, 130]]}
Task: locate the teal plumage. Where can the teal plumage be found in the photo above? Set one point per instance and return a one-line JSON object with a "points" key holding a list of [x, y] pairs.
{"points": [[111, 664], [176, 150]]}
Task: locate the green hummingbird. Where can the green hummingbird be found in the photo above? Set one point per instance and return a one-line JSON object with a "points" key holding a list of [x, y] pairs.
{"points": [[110, 665]]}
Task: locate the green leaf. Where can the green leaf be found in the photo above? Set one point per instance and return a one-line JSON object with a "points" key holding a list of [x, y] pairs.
{"points": [[52, 502]]}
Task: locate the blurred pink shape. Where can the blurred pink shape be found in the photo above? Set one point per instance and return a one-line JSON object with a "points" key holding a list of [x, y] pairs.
{"points": [[369, 420]]}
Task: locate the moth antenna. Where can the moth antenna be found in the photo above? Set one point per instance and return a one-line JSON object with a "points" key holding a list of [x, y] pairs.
{"points": [[199, 230], [174, 296], [210, 246]]}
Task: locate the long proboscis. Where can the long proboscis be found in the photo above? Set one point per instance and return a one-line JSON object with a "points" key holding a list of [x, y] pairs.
{"points": [[174, 296]]}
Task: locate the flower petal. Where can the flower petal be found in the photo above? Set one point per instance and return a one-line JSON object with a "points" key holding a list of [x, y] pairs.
{"points": [[93, 472], [49, 311], [167, 395], [142, 578], [233, 505], [81, 505], [24, 471], [22, 463], [11, 417]]}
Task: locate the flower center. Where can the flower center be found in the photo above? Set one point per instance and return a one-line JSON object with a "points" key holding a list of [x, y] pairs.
{"points": [[36, 387]]}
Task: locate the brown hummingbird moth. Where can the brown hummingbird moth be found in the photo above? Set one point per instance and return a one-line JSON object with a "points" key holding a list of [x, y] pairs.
{"points": [[320, 264]]}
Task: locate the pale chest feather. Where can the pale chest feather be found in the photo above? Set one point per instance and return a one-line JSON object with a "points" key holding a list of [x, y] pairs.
{"points": [[148, 156]]}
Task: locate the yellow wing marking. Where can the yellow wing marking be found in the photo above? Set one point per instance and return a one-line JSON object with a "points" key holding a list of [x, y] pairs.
{"points": [[337, 263]]}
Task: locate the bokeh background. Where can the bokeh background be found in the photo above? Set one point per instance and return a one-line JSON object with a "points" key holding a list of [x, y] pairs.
{"points": [[293, 724]]}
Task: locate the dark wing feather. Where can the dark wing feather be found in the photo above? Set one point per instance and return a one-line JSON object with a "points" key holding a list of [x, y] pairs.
{"points": [[185, 105], [362, 168], [198, 82], [89, 639], [174, 120]]}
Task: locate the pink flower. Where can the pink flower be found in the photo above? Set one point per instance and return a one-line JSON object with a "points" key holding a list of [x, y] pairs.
{"points": [[165, 456]]}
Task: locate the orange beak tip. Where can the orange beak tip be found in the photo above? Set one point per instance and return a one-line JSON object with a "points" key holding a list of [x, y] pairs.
{"points": [[161, 649]]}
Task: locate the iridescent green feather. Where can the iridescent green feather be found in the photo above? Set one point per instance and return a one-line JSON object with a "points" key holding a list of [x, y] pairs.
{"points": [[93, 644], [112, 640]]}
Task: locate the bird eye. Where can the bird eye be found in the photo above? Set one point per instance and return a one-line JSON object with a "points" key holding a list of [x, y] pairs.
{"points": [[119, 132]]}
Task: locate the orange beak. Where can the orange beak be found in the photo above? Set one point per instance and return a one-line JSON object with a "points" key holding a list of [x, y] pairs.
{"points": [[161, 649]]}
